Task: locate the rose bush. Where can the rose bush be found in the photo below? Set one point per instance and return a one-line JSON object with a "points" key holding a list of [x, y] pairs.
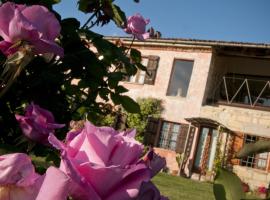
{"points": [[37, 123], [96, 163], [136, 26], [32, 24], [104, 163]]}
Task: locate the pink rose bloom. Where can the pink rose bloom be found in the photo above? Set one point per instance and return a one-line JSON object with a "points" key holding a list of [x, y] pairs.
{"points": [[37, 123], [136, 26], [18, 180], [33, 24], [103, 163]]}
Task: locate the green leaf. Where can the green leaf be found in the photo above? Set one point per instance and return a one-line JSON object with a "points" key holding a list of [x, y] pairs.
{"points": [[121, 89], [228, 186], [135, 55], [130, 105], [119, 16], [83, 5], [254, 148], [69, 25], [140, 66], [115, 98]]}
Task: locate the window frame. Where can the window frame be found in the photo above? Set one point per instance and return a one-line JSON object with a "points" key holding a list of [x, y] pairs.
{"points": [[138, 73], [172, 72], [255, 157], [169, 135]]}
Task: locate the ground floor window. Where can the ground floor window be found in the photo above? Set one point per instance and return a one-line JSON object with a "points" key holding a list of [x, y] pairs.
{"points": [[169, 134], [258, 161]]}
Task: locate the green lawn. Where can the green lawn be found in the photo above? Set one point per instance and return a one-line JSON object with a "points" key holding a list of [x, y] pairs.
{"points": [[177, 188]]}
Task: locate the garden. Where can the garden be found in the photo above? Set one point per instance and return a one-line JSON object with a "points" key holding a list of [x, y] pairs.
{"points": [[60, 83]]}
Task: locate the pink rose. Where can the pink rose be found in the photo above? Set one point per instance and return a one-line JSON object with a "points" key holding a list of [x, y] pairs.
{"points": [[37, 123], [103, 163], [18, 180], [136, 26], [33, 24]]}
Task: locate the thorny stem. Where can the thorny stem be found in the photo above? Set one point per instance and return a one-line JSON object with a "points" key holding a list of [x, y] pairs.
{"points": [[89, 20], [130, 46]]}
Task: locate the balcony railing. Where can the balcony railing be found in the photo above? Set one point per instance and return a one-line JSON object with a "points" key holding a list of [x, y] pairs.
{"points": [[247, 91]]}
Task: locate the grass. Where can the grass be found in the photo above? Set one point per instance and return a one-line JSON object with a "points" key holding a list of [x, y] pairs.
{"points": [[179, 188]]}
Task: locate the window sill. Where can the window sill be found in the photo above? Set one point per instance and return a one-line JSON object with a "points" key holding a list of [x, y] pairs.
{"points": [[132, 83], [239, 105], [262, 171], [175, 97]]}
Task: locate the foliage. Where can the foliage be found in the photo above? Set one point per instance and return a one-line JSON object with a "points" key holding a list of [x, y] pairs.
{"points": [[228, 186], [97, 64], [218, 156], [150, 107], [254, 148]]}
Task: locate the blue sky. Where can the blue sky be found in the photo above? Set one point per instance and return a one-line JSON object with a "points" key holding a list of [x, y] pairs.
{"points": [[229, 20]]}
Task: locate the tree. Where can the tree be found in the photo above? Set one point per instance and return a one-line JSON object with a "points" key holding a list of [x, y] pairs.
{"points": [[149, 107]]}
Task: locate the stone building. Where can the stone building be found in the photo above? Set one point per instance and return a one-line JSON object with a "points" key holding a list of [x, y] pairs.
{"points": [[216, 97]]}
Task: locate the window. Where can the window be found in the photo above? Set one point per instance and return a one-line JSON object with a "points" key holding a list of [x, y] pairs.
{"points": [[180, 78], [169, 135], [245, 89], [141, 77], [258, 161]]}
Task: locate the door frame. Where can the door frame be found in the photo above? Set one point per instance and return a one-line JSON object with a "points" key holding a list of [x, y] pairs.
{"points": [[200, 128]]}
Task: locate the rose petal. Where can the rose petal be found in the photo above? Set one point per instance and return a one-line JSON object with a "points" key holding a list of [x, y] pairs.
{"points": [[55, 185], [120, 183], [17, 169], [21, 29], [50, 27]]}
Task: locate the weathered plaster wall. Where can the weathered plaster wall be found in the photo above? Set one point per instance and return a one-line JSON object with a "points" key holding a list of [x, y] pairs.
{"points": [[254, 122], [176, 108], [253, 177]]}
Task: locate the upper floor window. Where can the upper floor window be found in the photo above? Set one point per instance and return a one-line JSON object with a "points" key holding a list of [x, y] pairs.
{"points": [[258, 161], [180, 78], [245, 90], [141, 77]]}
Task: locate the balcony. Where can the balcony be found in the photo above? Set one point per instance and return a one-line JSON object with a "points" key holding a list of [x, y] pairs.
{"points": [[243, 91]]}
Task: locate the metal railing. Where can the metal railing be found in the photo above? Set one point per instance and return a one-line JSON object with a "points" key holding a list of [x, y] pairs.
{"points": [[252, 92]]}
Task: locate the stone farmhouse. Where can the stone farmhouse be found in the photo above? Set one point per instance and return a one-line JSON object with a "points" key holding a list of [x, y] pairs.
{"points": [[216, 97]]}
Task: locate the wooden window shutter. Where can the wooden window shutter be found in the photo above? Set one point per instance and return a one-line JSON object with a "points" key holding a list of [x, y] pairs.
{"points": [[238, 142], [181, 140], [151, 131], [152, 70], [190, 141]]}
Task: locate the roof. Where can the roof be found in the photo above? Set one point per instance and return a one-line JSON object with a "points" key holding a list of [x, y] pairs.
{"points": [[201, 121], [183, 41]]}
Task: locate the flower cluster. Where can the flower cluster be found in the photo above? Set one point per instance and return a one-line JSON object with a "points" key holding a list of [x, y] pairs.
{"points": [[262, 190], [34, 25], [96, 163]]}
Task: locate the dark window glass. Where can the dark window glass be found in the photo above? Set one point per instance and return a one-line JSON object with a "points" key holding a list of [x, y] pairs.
{"points": [[169, 135], [180, 78], [258, 161]]}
